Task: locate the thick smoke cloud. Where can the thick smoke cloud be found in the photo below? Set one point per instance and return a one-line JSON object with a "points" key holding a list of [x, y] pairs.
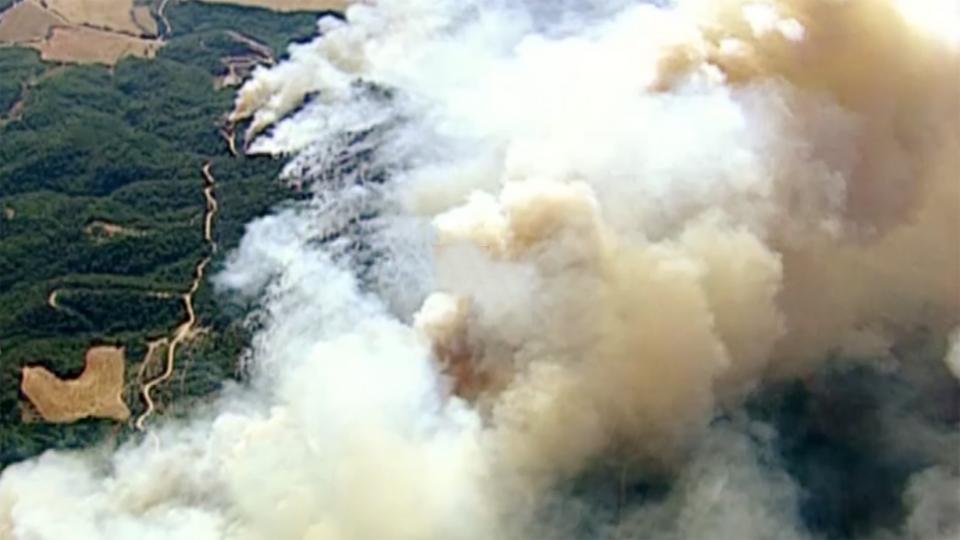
{"points": [[557, 258]]}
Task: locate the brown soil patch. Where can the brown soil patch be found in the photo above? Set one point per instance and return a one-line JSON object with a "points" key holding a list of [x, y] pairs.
{"points": [[97, 393], [104, 230], [26, 22], [87, 46], [116, 15], [145, 21], [288, 5]]}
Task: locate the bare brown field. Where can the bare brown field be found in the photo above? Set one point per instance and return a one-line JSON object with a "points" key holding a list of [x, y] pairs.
{"points": [[81, 31], [145, 21], [288, 5], [97, 393], [26, 22], [116, 15], [78, 45]]}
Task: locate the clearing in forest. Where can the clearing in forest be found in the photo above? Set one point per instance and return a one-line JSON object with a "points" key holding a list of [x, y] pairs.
{"points": [[97, 393], [104, 230]]}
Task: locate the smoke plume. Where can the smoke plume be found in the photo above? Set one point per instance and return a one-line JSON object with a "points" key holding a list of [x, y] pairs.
{"points": [[581, 269]]}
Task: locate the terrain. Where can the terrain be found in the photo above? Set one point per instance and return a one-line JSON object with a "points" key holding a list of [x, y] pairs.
{"points": [[87, 31], [117, 183], [98, 392]]}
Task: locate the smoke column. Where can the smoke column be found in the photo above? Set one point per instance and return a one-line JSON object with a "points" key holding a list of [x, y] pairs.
{"points": [[578, 270]]}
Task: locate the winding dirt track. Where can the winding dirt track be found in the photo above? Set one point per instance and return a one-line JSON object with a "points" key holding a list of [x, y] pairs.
{"points": [[161, 12], [229, 134], [15, 113], [183, 330], [262, 52]]}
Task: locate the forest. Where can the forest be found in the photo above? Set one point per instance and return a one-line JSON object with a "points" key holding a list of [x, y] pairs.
{"points": [[123, 146]]}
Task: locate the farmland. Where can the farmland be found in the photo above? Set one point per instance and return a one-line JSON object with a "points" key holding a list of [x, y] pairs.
{"points": [[81, 31]]}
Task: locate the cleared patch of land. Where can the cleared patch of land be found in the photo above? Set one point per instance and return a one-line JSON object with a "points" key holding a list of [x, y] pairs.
{"points": [[287, 5], [100, 230], [27, 22], [240, 67], [116, 15], [97, 393], [80, 45]]}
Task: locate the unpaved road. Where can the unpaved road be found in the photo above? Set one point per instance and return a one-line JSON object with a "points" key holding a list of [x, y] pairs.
{"points": [[161, 12], [16, 110], [184, 329]]}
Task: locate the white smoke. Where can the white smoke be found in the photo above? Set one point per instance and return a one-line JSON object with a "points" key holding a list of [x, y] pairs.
{"points": [[934, 497], [541, 236], [952, 359], [282, 460]]}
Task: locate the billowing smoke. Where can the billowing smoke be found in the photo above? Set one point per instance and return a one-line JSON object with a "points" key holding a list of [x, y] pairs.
{"points": [[580, 269]]}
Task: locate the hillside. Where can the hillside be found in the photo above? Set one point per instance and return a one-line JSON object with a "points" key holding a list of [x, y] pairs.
{"points": [[102, 213]]}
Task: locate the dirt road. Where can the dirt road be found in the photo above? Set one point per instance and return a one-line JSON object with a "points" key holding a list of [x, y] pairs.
{"points": [[184, 329]]}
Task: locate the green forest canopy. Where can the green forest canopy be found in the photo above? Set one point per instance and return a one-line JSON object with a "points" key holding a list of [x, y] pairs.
{"points": [[122, 146]]}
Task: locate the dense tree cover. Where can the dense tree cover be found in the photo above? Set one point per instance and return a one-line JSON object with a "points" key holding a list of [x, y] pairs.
{"points": [[205, 366], [116, 311], [275, 30], [123, 146], [18, 66], [19, 441]]}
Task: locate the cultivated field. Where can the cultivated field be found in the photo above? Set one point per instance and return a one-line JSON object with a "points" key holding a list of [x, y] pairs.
{"points": [[81, 31], [79, 45], [27, 22], [116, 15], [97, 393], [144, 20]]}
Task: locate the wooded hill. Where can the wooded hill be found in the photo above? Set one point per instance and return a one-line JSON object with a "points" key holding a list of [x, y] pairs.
{"points": [[85, 146]]}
